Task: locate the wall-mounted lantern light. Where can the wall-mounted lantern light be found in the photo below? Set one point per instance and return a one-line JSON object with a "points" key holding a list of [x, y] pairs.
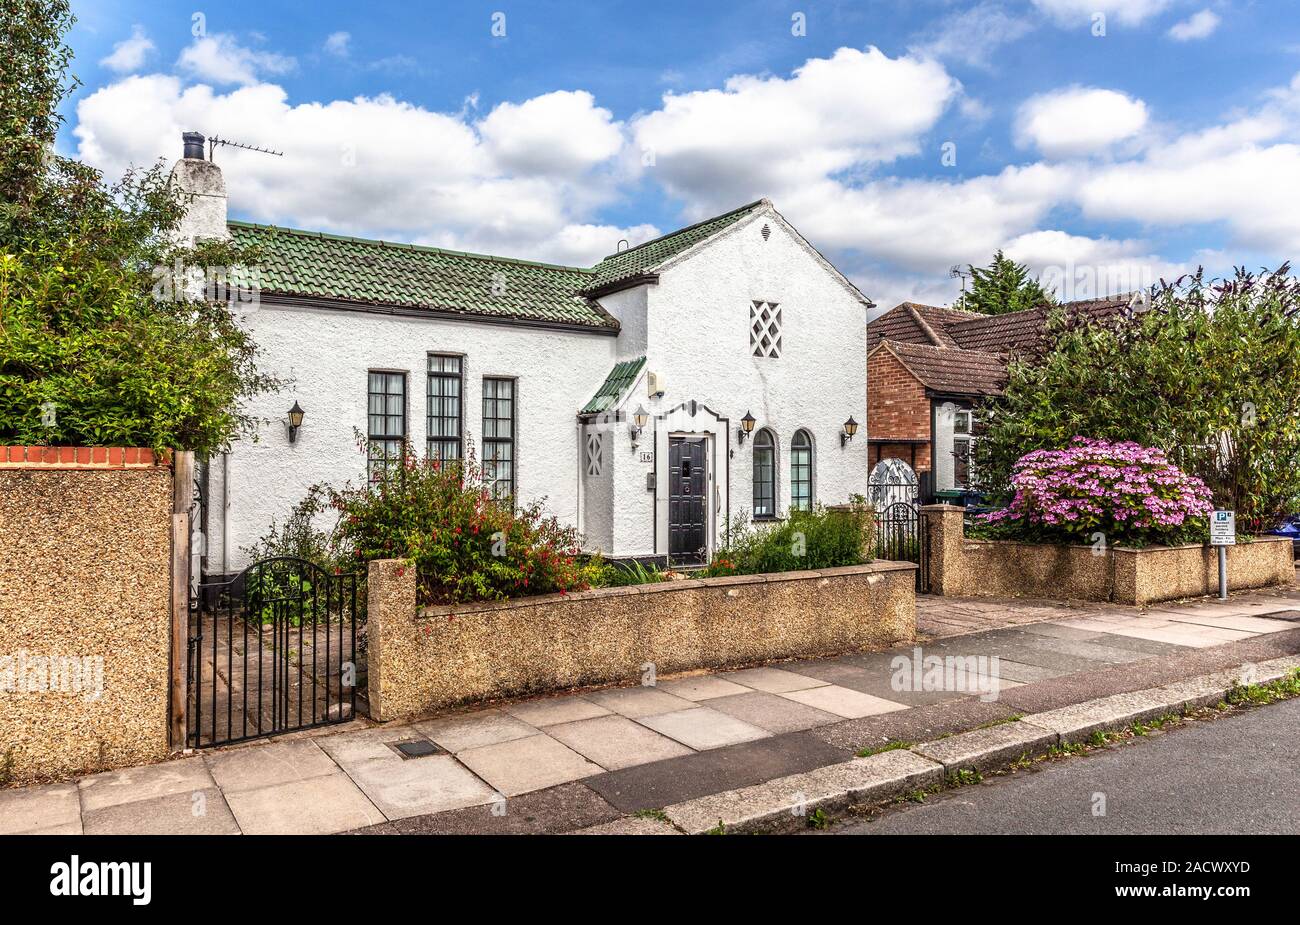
{"points": [[746, 427], [850, 428], [295, 421], [639, 419]]}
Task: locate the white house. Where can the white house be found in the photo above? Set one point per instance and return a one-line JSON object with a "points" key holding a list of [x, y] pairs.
{"points": [[734, 321]]}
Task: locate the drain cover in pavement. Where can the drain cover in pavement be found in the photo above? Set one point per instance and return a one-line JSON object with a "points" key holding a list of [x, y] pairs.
{"points": [[417, 749]]}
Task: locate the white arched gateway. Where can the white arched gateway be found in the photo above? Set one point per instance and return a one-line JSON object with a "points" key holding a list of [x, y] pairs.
{"points": [[891, 481]]}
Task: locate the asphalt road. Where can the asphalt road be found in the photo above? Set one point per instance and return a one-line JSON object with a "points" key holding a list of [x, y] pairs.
{"points": [[1236, 774]]}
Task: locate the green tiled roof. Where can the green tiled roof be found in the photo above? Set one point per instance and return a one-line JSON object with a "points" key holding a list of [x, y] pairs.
{"points": [[318, 265], [312, 264], [620, 379], [638, 259]]}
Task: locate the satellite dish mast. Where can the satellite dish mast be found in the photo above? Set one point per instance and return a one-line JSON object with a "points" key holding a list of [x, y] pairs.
{"points": [[214, 141], [956, 272]]}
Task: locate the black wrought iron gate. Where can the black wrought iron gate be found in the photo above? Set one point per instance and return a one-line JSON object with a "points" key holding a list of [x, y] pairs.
{"points": [[278, 647], [902, 537]]}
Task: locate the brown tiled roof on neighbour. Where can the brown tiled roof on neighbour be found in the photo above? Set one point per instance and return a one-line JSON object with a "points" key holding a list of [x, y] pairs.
{"points": [[912, 322], [952, 372], [1024, 329]]}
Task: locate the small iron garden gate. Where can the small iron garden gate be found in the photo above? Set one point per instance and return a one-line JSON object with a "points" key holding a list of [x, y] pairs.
{"points": [[902, 537], [276, 648]]}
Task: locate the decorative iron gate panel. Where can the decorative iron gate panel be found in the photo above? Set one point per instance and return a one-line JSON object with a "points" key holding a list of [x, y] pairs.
{"points": [[901, 536], [274, 649]]}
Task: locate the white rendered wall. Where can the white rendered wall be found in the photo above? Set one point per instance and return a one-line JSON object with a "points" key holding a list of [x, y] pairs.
{"points": [[698, 340], [325, 355]]}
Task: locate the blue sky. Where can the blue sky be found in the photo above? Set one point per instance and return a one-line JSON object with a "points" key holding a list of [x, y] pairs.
{"points": [[900, 137]]}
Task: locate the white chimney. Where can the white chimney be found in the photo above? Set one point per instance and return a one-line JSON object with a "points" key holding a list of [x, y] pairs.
{"points": [[203, 192]]}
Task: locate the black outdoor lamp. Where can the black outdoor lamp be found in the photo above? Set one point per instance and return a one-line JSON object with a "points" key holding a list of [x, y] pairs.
{"points": [[295, 421], [850, 428], [639, 418], [746, 427]]}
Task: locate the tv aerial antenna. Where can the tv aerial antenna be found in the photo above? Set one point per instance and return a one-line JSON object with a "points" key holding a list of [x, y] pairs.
{"points": [[214, 141], [956, 272]]}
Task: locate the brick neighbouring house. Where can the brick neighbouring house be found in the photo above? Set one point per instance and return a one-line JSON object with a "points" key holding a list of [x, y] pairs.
{"points": [[927, 367]]}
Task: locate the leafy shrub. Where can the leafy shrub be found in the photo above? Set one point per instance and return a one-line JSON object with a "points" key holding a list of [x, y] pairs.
{"points": [[1210, 374], [804, 540], [624, 574], [465, 545], [1128, 493]]}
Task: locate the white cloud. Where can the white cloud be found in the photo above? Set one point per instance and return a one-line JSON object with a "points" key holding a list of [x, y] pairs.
{"points": [[338, 44], [560, 133], [973, 36], [1079, 267], [1197, 26], [220, 58], [1080, 12], [768, 134], [129, 54], [1078, 120], [381, 167]]}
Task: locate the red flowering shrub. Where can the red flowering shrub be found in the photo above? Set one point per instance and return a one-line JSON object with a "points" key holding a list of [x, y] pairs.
{"points": [[465, 545]]}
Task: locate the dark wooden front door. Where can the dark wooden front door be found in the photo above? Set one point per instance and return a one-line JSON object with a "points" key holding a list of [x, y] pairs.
{"points": [[688, 489]]}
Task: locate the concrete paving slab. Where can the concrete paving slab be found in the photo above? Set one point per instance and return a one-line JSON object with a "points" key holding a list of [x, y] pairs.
{"points": [[651, 786], [615, 742], [401, 787], [353, 750], [1138, 644], [319, 805], [772, 680], [784, 804], [639, 701], [552, 710], [1060, 631], [463, 731], [844, 702], [256, 766], [51, 806], [1079, 721], [1082, 648], [523, 765], [128, 785], [918, 724], [543, 812], [192, 812], [702, 687], [68, 828], [982, 749], [772, 711], [1237, 622], [877, 680], [703, 727]]}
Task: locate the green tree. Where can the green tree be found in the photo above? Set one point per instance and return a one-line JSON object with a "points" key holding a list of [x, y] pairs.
{"points": [[1210, 374], [99, 343], [1003, 286]]}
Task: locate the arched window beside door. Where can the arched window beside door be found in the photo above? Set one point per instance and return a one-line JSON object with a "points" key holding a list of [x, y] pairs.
{"points": [[764, 475], [801, 471]]}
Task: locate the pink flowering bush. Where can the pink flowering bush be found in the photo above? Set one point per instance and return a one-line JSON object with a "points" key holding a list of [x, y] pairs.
{"points": [[1127, 492]]}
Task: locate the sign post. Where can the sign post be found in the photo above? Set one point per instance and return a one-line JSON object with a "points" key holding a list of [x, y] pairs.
{"points": [[1223, 533]]}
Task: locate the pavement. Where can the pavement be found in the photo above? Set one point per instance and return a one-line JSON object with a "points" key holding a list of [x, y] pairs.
{"points": [[599, 760], [1234, 775]]}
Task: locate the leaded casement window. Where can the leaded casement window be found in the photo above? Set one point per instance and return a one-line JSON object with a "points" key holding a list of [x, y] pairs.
{"points": [[765, 329], [444, 413], [764, 475], [499, 437], [595, 453], [801, 471], [386, 427], [962, 439]]}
